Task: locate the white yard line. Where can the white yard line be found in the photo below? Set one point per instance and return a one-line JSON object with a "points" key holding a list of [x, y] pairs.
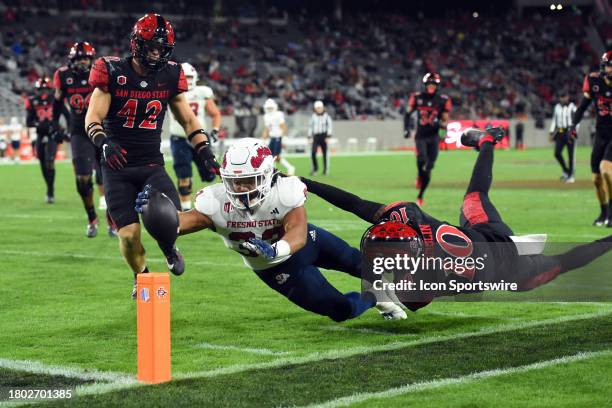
{"points": [[428, 385], [36, 367], [261, 351]]}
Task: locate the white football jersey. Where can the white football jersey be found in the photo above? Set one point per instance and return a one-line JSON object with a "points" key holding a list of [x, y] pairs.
{"points": [[197, 101], [273, 121], [266, 223]]}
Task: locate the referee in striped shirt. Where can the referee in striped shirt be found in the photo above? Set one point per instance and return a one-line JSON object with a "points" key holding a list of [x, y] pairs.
{"points": [[563, 132], [320, 129]]}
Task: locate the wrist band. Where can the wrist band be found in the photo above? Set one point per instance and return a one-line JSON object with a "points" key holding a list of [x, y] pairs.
{"points": [[197, 132]]}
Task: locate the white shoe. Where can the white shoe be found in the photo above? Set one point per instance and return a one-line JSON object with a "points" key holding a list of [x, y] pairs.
{"points": [[290, 171], [102, 203], [570, 179], [391, 311]]}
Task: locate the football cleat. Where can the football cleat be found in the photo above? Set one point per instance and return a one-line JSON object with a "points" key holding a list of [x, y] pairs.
{"points": [[600, 221], [102, 203], [175, 262], [419, 202], [50, 199], [570, 180], [92, 229], [391, 311], [473, 136], [112, 232]]}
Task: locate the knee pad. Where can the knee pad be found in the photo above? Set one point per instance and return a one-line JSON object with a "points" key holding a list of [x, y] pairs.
{"points": [[84, 186], [185, 190]]}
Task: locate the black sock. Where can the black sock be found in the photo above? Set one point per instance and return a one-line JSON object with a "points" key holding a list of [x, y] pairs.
{"points": [[610, 208], [604, 210], [482, 175], [166, 247], [584, 254], [50, 179], [91, 214], [425, 179]]}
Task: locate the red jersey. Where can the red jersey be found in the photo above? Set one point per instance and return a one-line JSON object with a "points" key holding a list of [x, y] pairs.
{"points": [[75, 88], [601, 93], [429, 110], [39, 113]]}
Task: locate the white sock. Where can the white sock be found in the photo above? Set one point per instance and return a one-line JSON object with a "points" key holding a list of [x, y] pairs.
{"points": [[287, 165], [186, 205]]}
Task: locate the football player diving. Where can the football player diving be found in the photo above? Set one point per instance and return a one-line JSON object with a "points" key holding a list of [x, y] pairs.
{"points": [[482, 231], [262, 217]]}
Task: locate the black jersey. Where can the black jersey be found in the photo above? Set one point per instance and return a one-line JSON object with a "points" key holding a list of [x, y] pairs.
{"points": [[429, 110], [39, 113], [494, 255], [75, 89], [601, 93], [138, 105]]}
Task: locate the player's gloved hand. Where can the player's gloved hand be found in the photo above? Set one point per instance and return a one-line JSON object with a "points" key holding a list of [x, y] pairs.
{"points": [[142, 198], [214, 135], [113, 154], [572, 133], [260, 247], [208, 158], [406, 134], [60, 136], [497, 132]]}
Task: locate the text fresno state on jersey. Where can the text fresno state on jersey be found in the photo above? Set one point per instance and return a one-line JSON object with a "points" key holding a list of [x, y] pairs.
{"points": [[601, 92], [429, 108], [138, 105], [75, 88]]}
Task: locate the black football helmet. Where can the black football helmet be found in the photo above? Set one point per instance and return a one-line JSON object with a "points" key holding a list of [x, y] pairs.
{"points": [[150, 32], [42, 85], [431, 78], [78, 51], [606, 61]]}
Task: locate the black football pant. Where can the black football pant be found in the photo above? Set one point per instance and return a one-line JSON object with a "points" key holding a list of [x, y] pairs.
{"points": [[562, 139], [319, 140], [427, 149], [46, 148]]}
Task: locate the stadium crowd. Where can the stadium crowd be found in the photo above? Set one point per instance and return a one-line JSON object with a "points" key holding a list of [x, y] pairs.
{"points": [[364, 66]]}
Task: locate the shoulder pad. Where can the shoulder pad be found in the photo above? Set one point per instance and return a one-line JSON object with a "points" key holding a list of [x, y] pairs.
{"points": [[205, 200], [207, 92], [62, 68], [291, 191]]}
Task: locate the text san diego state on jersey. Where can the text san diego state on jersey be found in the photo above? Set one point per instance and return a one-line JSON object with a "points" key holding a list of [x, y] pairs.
{"points": [[429, 109], [39, 110], [601, 92], [76, 90], [138, 105]]}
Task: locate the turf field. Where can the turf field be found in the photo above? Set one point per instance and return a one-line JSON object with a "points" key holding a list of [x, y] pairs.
{"points": [[67, 319]]}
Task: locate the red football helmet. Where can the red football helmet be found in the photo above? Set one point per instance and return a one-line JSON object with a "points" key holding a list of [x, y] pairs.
{"points": [[152, 32], [431, 78], [42, 84], [606, 61], [374, 239], [80, 50]]}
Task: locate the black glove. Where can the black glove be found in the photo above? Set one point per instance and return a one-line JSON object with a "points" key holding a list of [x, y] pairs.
{"points": [[207, 157], [113, 154], [406, 134], [60, 136]]}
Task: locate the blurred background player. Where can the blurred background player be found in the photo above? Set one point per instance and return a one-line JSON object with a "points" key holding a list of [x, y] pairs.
{"points": [[432, 110], [72, 87], [564, 135], [319, 129], [14, 134], [598, 86], [131, 96], [201, 100], [275, 128], [39, 118]]}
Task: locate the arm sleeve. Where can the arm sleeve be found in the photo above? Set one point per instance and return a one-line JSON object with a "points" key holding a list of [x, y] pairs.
{"points": [[553, 121], [584, 104], [30, 114], [366, 210]]}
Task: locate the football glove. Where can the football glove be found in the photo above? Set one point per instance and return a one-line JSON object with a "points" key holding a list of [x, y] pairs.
{"points": [[407, 134], [572, 133], [260, 247], [60, 136], [113, 154], [142, 198], [208, 158]]}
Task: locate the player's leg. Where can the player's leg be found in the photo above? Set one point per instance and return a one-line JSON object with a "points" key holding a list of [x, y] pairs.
{"points": [[605, 168], [50, 150], [560, 143], [181, 162], [83, 157], [16, 144], [99, 180], [160, 181], [283, 161], [599, 149], [477, 208], [325, 157], [571, 151], [431, 155], [535, 270], [420, 147], [313, 155]]}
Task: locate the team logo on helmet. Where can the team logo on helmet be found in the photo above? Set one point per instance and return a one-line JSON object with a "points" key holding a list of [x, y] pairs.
{"points": [[262, 153], [121, 79]]}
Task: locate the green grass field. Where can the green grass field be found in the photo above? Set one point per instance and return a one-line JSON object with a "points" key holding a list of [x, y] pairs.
{"points": [[67, 319]]}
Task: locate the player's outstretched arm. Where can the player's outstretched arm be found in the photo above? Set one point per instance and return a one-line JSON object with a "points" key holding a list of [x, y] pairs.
{"points": [[584, 104], [213, 111], [193, 221], [366, 210]]}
